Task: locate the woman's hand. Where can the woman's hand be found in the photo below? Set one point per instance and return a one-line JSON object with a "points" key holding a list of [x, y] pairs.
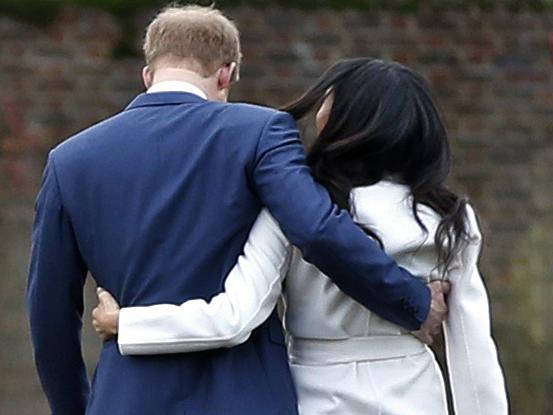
{"points": [[105, 316]]}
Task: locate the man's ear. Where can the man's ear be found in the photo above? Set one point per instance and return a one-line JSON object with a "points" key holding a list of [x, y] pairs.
{"points": [[147, 77], [226, 76]]}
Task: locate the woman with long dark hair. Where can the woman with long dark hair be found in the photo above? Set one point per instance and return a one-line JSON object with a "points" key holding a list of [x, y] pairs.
{"points": [[382, 152]]}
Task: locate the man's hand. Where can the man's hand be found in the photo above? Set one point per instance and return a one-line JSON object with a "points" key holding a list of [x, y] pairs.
{"points": [[438, 312], [105, 316]]}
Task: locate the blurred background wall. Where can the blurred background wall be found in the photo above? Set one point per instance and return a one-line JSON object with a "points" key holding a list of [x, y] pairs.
{"points": [[63, 68]]}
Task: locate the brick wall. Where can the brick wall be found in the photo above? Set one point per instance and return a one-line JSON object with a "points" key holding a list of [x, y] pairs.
{"points": [[491, 72]]}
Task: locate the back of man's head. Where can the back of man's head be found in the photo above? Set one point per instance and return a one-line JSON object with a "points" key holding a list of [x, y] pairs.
{"points": [[195, 37]]}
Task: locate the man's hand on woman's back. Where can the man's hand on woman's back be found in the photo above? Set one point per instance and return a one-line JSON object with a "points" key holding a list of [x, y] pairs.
{"points": [[438, 312]]}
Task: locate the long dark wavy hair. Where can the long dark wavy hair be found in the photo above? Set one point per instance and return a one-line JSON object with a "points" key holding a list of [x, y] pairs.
{"points": [[383, 123]]}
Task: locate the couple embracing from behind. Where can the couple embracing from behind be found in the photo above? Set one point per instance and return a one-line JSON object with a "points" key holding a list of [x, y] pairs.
{"points": [[211, 234]]}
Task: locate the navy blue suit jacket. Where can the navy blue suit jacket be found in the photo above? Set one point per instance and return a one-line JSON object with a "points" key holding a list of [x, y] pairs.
{"points": [[156, 203]]}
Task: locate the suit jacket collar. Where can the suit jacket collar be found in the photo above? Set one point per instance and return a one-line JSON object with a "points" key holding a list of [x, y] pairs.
{"points": [[163, 98]]}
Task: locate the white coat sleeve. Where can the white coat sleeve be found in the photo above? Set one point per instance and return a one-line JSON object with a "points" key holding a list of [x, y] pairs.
{"points": [[251, 291], [475, 373]]}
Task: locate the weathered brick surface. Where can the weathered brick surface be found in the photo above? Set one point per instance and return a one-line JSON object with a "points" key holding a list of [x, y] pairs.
{"points": [[492, 74]]}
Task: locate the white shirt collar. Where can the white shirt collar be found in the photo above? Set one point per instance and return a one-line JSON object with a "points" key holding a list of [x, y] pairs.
{"points": [[176, 86]]}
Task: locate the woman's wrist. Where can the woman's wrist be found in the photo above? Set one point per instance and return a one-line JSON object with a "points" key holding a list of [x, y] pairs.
{"points": [[113, 326]]}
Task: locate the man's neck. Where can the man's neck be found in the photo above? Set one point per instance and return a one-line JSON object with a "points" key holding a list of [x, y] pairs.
{"points": [[181, 75], [176, 86]]}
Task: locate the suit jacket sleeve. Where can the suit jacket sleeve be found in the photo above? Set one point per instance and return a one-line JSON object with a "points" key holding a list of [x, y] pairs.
{"points": [[327, 235], [55, 302], [475, 373], [252, 289]]}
